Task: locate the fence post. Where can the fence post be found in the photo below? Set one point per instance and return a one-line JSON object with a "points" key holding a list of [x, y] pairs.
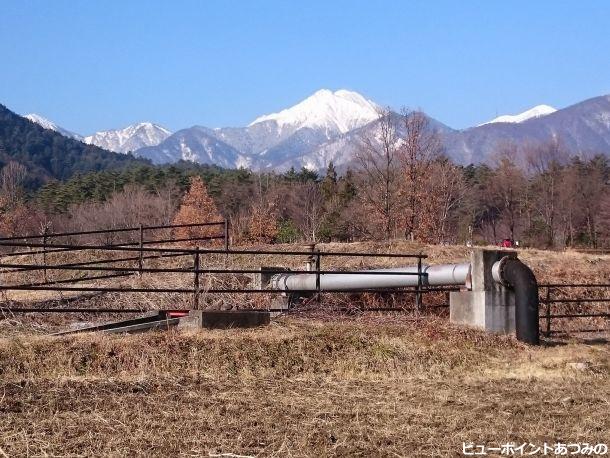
{"points": [[548, 312], [418, 296], [45, 231], [318, 263], [140, 256], [226, 234], [196, 280]]}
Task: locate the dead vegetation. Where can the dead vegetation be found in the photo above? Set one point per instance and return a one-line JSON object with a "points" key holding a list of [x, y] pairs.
{"points": [[413, 387], [315, 383], [549, 267]]}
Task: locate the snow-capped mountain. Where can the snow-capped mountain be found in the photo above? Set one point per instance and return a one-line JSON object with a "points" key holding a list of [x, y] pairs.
{"points": [[274, 138], [124, 140], [535, 112], [196, 145], [130, 138], [339, 111], [581, 129], [329, 126], [47, 124]]}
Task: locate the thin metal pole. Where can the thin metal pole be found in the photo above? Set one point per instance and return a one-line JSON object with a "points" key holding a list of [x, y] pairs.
{"points": [[318, 265], [141, 255], [418, 296], [196, 280], [226, 234], [548, 312]]}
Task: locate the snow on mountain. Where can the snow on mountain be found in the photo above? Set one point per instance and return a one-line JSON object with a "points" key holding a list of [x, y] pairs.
{"points": [[339, 111], [583, 130], [272, 138], [536, 112], [196, 145], [47, 124], [130, 138]]}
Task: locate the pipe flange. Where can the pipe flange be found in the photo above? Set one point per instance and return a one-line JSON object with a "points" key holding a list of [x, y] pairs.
{"points": [[497, 271]]}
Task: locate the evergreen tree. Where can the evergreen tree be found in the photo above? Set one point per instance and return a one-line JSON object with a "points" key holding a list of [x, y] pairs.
{"points": [[329, 182]]}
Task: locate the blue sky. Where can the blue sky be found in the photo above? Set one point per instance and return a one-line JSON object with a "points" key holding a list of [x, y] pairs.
{"points": [[92, 65]]}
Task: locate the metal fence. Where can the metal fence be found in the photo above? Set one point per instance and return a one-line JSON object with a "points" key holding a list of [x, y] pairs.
{"points": [[576, 308], [141, 235], [138, 253], [33, 253]]}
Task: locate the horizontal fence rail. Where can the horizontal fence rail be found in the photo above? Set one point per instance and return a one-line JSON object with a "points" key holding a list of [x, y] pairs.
{"points": [[109, 231], [143, 251], [550, 300], [129, 258]]}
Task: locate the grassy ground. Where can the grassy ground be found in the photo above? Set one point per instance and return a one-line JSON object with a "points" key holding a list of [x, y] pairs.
{"points": [[367, 386], [308, 385]]}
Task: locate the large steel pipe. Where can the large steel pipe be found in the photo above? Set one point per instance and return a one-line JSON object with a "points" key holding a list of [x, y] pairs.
{"points": [[513, 274], [439, 275]]}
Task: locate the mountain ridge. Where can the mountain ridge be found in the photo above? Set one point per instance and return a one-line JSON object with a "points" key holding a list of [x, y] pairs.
{"points": [[535, 112], [122, 140], [330, 125], [49, 155]]}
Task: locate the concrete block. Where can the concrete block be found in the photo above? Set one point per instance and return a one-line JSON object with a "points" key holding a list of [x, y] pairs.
{"points": [[488, 306], [225, 319], [486, 310]]}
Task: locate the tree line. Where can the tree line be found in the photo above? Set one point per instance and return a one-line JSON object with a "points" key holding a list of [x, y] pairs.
{"points": [[400, 186]]}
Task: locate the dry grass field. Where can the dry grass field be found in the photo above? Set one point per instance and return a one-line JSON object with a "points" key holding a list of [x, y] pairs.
{"points": [[311, 384]]}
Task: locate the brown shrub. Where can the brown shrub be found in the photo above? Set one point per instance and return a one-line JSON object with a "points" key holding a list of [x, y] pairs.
{"points": [[197, 207]]}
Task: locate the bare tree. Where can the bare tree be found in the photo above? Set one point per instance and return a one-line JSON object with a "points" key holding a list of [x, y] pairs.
{"points": [[546, 163], [506, 189], [604, 217], [12, 177], [446, 191], [420, 146], [378, 159], [305, 205]]}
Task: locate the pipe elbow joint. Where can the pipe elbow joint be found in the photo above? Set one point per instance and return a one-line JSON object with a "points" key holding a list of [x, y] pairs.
{"points": [[513, 274]]}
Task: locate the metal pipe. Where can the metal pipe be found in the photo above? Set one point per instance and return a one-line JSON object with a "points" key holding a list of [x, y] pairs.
{"points": [[440, 275], [513, 274]]}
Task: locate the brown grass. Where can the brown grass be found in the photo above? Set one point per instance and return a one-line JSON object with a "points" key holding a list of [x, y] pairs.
{"points": [[300, 388], [312, 384]]}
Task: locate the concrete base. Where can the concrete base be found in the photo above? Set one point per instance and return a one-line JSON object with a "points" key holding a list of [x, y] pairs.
{"points": [[488, 306], [486, 310], [224, 319]]}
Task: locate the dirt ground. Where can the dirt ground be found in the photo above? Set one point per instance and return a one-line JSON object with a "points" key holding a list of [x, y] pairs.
{"points": [[310, 384], [367, 386]]}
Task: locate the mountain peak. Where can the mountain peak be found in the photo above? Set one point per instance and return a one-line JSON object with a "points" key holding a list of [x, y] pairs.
{"points": [[339, 111], [41, 121], [129, 138], [535, 112], [50, 125]]}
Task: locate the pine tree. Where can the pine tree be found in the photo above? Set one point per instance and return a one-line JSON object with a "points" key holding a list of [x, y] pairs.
{"points": [[329, 182]]}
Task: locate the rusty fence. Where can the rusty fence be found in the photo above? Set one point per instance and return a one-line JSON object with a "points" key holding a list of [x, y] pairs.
{"points": [[586, 306], [137, 254]]}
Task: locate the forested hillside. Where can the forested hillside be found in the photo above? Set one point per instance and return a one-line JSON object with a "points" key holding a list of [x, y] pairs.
{"points": [[47, 154], [541, 197], [57, 196]]}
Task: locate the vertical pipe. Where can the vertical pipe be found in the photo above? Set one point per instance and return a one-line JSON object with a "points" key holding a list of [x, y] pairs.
{"points": [[196, 279]]}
